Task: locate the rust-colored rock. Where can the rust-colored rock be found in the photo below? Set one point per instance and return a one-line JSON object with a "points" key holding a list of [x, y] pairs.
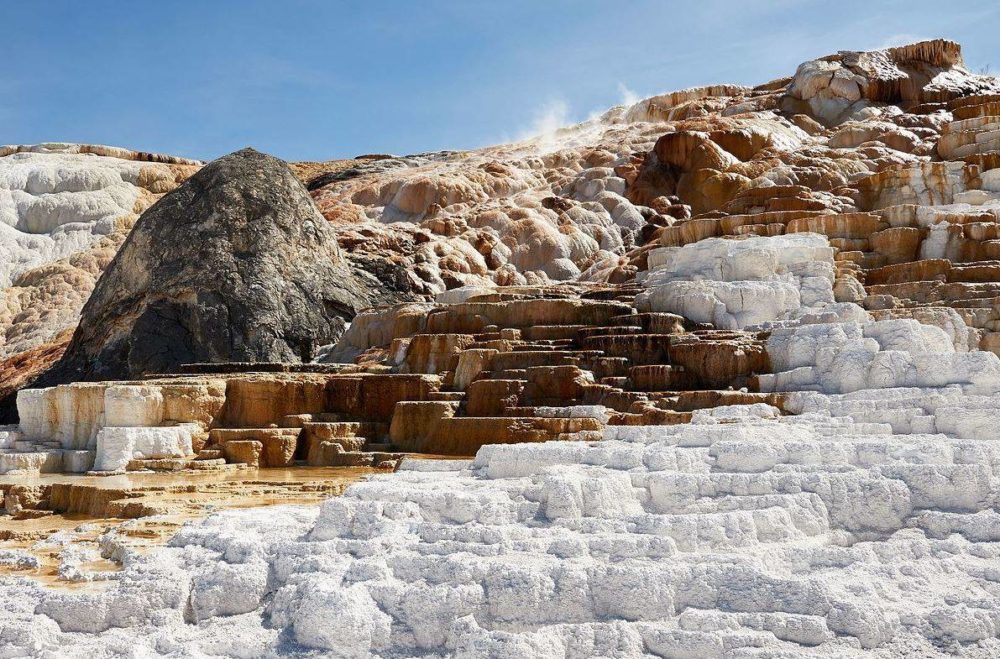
{"points": [[717, 362], [493, 397], [434, 353], [415, 422], [277, 445], [465, 435]]}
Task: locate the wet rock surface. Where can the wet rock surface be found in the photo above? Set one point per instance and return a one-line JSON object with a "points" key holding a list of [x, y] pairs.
{"points": [[71, 532]]}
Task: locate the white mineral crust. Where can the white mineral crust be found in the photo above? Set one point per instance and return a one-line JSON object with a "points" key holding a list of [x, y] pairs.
{"points": [[740, 283], [745, 533]]}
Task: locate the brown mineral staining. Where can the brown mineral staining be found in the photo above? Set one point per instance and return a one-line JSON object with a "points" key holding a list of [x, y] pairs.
{"points": [[141, 509]]}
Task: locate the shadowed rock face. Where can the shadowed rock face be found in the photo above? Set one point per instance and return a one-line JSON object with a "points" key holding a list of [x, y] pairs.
{"points": [[234, 265]]}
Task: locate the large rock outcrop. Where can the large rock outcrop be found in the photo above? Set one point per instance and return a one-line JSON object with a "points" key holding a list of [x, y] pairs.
{"points": [[234, 265]]}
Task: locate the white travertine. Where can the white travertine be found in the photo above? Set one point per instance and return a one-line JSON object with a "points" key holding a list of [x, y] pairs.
{"points": [[740, 283], [117, 446], [133, 405]]}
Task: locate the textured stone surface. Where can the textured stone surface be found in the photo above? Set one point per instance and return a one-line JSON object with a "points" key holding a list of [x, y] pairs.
{"points": [[234, 265], [65, 209], [117, 446], [733, 284], [781, 535], [756, 418]]}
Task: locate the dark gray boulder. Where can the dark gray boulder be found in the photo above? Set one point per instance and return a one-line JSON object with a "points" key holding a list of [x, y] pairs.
{"points": [[236, 264]]}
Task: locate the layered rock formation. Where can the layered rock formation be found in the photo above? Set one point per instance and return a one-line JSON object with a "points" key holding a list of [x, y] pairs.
{"points": [[65, 209], [763, 322], [571, 205], [57, 200], [743, 530]]}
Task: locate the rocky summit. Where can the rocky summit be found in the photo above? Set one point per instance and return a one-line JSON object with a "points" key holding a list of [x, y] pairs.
{"points": [[713, 374]]}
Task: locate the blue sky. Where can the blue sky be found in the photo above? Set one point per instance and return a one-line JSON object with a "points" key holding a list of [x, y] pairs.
{"points": [[306, 79]]}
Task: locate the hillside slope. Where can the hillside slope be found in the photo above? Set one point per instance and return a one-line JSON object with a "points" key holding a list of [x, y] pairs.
{"points": [[726, 359]]}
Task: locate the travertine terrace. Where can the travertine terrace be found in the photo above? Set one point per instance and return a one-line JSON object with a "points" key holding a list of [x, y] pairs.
{"points": [[722, 365], [65, 209]]}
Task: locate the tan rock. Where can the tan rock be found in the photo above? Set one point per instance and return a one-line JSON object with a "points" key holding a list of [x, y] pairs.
{"points": [[926, 184], [278, 445], [849, 225], [897, 244], [413, 422], [466, 435], [193, 402], [434, 353], [924, 270], [246, 452], [848, 289], [493, 397], [660, 377], [990, 342], [259, 401], [471, 363], [719, 360]]}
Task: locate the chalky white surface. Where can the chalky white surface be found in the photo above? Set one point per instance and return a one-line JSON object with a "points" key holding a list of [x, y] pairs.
{"points": [[865, 524], [94, 424], [54, 204], [741, 534], [116, 446], [740, 283], [854, 356]]}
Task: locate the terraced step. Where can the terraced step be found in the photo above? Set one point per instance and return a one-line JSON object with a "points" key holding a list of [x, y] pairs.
{"points": [[383, 460], [170, 464], [610, 331], [215, 464], [346, 429], [35, 461], [652, 322], [610, 367], [660, 378], [447, 396], [528, 358], [551, 332], [638, 348], [611, 397], [465, 435], [536, 346], [265, 447]]}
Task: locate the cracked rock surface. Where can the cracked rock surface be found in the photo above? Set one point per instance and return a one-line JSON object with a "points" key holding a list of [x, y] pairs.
{"points": [[234, 265]]}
